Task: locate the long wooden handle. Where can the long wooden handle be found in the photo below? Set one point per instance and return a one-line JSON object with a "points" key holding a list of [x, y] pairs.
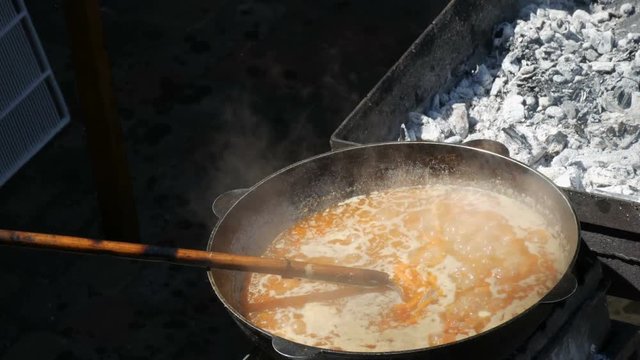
{"points": [[190, 257]]}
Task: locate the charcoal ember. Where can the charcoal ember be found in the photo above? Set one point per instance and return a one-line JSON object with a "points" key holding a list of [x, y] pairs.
{"points": [[633, 38], [622, 129], [598, 143], [537, 22], [555, 112], [627, 9], [497, 86], [552, 51], [579, 19], [610, 102], [544, 102], [407, 134], [601, 41], [577, 141], [571, 47], [568, 66], [541, 55], [453, 140], [557, 14], [569, 109], [572, 177], [628, 69], [610, 132], [620, 99], [459, 120], [513, 109], [567, 177], [556, 143], [537, 119], [559, 79], [539, 158], [591, 55], [433, 130], [567, 156], [510, 65], [628, 41], [430, 132], [581, 15], [622, 43], [526, 72], [531, 103], [603, 67], [578, 79], [604, 42], [542, 13], [629, 138], [561, 26], [624, 92], [516, 137], [578, 130], [477, 136], [547, 36]]}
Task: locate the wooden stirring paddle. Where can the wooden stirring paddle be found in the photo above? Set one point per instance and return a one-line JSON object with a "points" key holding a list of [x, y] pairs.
{"points": [[199, 258]]}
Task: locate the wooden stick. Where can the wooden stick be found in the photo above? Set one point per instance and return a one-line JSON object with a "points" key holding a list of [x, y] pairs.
{"points": [[200, 258], [100, 114]]}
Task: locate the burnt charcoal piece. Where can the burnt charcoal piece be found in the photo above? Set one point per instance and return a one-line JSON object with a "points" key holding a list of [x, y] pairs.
{"points": [[560, 87]]}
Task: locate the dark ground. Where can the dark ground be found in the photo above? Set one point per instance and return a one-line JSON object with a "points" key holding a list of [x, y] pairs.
{"points": [[213, 95]]}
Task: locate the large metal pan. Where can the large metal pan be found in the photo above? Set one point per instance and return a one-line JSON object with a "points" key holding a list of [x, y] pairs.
{"points": [[250, 219]]}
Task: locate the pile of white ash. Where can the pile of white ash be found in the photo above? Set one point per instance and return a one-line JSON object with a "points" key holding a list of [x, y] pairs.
{"points": [[560, 89]]}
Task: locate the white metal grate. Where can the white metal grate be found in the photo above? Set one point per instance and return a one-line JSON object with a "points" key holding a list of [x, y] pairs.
{"points": [[32, 110], [7, 13]]}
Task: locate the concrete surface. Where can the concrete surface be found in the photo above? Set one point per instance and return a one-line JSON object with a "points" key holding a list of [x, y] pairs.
{"points": [[213, 95]]}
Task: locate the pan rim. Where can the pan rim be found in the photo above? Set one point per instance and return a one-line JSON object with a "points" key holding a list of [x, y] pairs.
{"points": [[238, 315]]}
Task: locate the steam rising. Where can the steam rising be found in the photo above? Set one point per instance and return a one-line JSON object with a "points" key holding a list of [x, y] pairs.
{"points": [[249, 150]]}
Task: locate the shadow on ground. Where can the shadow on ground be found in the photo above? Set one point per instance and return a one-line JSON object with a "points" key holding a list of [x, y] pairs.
{"points": [[213, 95]]}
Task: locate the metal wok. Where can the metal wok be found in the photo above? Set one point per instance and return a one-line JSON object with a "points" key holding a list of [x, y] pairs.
{"points": [[250, 219]]}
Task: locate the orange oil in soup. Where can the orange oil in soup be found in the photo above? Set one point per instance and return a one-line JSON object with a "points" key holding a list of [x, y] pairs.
{"points": [[465, 260]]}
